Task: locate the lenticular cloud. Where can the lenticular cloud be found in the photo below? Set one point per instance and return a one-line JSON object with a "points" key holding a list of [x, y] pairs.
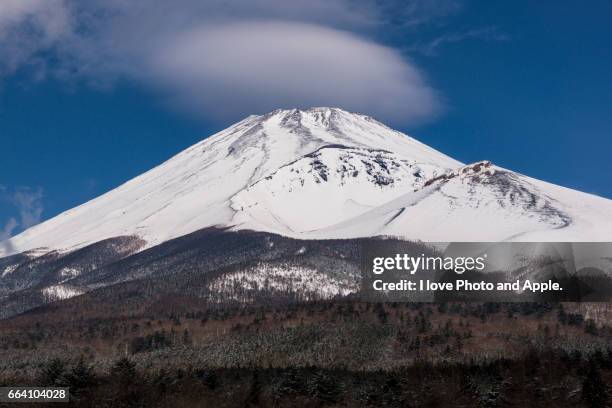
{"points": [[259, 66]]}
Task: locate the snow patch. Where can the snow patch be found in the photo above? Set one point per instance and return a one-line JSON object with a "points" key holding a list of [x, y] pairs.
{"points": [[68, 272], [309, 283], [60, 292], [9, 269]]}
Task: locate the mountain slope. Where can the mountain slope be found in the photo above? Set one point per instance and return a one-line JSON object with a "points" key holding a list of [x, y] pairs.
{"points": [[483, 202], [193, 189], [323, 173], [331, 184]]}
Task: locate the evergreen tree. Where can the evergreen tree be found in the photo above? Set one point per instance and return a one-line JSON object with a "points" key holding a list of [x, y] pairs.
{"points": [[124, 371], [53, 373], [254, 391], [594, 392], [290, 382], [591, 327], [80, 377], [324, 387]]}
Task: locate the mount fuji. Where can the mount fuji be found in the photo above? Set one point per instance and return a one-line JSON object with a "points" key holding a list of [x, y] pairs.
{"points": [[277, 186], [324, 173]]}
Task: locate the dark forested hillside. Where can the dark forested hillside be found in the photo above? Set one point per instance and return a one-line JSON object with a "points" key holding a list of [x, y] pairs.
{"points": [[331, 353], [215, 264]]}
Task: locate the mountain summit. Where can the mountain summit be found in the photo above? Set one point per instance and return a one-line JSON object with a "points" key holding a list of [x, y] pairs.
{"points": [[324, 173]]}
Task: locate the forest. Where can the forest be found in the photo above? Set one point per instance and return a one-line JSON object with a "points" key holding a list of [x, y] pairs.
{"points": [[324, 353]]}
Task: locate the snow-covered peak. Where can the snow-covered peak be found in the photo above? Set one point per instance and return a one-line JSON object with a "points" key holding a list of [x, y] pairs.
{"points": [[285, 135], [324, 173]]}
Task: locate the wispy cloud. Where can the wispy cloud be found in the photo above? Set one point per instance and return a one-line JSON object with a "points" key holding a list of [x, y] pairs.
{"points": [[7, 231], [488, 34], [227, 58], [28, 203], [28, 27], [416, 13]]}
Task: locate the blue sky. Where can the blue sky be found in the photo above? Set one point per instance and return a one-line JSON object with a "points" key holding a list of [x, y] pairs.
{"points": [[95, 93]]}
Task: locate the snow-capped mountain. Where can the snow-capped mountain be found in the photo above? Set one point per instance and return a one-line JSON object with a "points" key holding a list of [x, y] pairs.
{"points": [[271, 207], [324, 173]]}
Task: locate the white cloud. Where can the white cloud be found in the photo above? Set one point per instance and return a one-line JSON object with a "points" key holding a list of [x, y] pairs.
{"points": [[259, 66], [229, 58], [28, 27]]}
